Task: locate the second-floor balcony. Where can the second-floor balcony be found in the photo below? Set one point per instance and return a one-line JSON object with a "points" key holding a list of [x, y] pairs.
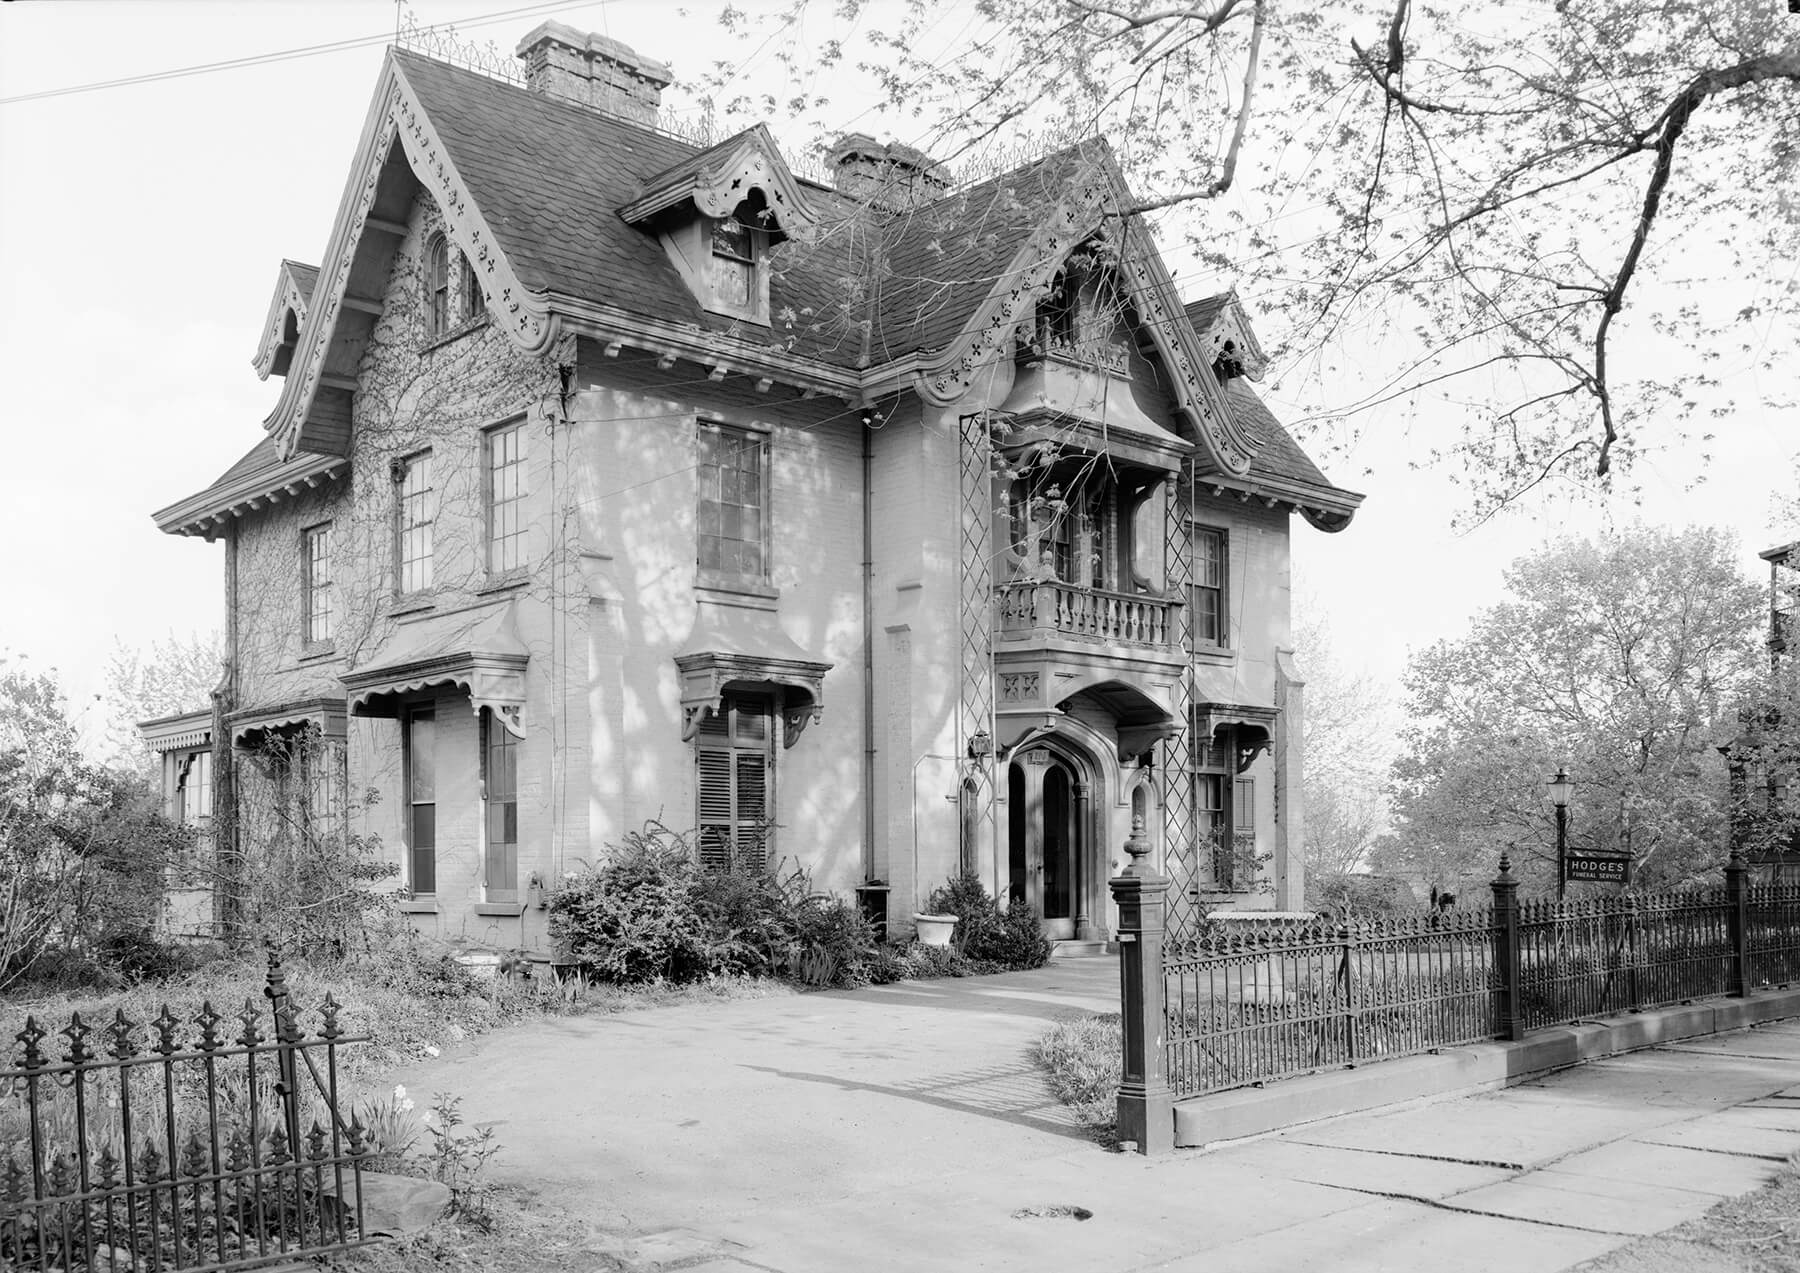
{"points": [[1034, 610]]}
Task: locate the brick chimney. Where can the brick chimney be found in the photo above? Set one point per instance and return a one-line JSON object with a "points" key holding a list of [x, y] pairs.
{"points": [[595, 71], [887, 174]]}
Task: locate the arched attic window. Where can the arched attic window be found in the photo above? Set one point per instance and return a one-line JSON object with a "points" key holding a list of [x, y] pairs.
{"points": [[470, 307], [437, 287]]}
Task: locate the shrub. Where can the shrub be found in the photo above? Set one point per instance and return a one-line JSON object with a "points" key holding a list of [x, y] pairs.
{"points": [[1010, 939], [635, 917], [834, 945], [750, 914]]}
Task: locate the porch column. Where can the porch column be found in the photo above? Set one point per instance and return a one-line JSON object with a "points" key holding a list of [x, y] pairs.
{"points": [[1092, 848]]}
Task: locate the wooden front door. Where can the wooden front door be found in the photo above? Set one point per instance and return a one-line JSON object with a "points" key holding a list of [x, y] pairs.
{"points": [[1044, 839]]}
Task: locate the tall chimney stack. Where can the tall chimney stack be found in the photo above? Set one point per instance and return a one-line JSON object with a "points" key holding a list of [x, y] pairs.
{"points": [[594, 71]]}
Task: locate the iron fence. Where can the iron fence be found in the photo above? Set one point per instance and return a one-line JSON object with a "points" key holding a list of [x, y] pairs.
{"points": [[181, 1148], [1244, 1008], [1594, 956]]}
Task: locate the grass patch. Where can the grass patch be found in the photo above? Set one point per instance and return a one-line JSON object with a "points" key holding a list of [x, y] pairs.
{"points": [[1083, 1059], [1758, 1232]]}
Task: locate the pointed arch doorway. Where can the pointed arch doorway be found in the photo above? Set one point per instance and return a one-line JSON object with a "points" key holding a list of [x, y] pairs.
{"points": [[1046, 839]]}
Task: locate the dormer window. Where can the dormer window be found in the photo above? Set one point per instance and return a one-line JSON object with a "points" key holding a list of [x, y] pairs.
{"points": [[733, 263]]}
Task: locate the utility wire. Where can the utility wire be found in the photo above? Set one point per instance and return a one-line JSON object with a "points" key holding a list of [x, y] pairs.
{"points": [[285, 55]]}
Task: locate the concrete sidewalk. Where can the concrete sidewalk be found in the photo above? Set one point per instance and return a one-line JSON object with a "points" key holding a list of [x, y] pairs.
{"points": [[900, 1125]]}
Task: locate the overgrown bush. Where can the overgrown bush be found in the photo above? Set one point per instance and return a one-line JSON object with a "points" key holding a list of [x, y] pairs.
{"points": [[636, 916], [83, 849], [985, 934], [834, 945]]}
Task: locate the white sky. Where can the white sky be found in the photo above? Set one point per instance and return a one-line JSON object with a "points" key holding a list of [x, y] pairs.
{"points": [[141, 227]]}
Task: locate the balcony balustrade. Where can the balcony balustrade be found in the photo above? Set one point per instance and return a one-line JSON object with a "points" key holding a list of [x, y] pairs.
{"points": [[1050, 606]]}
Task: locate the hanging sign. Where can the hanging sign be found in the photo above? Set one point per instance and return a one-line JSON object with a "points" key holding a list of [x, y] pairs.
{"points": [[1588, 867]]}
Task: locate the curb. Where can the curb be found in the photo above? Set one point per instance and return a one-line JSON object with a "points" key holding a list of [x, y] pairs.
{"points": [[1478, 1067]]}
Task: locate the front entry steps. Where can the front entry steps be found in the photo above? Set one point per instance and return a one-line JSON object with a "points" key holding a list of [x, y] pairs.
{"points": [[1082, 949]]}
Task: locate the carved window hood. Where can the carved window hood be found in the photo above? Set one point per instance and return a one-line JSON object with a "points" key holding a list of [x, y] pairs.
{"points": [[253, 727], [734, 647], [481, 655]]}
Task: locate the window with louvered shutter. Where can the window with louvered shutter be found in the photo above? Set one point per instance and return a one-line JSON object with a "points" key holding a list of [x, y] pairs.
{"points": [[732, 767]]}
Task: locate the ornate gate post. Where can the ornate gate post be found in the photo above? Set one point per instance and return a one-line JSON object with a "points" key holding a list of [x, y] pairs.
{"points": [[1511, 1023], [1146, 1102], [1737, 899]]}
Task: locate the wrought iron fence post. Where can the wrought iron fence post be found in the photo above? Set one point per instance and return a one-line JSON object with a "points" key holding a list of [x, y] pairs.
{"points": [[1737, 897], [1511, 1024], [1146, 1102], [287, 1034]]}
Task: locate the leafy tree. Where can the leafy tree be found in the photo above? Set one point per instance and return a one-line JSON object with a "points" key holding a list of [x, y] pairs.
{"points": [[1493, 186], [1622, 659], [83, 849], [1346, 740], [165, 679]]}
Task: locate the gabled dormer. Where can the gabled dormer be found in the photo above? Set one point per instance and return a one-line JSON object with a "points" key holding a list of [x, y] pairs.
{"points": [[718, 213], [287, 310], [1227, 338]]}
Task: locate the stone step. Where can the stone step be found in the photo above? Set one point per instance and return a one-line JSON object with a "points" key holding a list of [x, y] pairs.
{"points": [[1081, 949]]}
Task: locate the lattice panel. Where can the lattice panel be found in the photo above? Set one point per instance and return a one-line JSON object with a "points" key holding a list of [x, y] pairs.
{"points": [[976, 582], [1174, 756]]}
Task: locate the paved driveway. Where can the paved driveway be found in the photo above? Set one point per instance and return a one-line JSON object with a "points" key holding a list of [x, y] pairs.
{"points": [[899, 1126], [633, 1118]]}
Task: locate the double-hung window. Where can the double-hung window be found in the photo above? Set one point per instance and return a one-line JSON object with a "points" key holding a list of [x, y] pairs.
{"points": [[418, 509], [733, 538], [733, 268], [1208, 591], [315, 561], [500, 794], [734, 761], [421, 799], [505, 498]]}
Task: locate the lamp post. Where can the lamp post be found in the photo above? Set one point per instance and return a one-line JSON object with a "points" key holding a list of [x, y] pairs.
{"points": [[1560, 786]]}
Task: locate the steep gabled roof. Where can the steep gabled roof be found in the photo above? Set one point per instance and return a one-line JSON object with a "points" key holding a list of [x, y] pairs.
{"points": [[541, 196], [294, 285]]}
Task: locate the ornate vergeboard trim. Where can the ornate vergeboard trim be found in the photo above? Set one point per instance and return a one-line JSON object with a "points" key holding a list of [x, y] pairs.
{"points": [[717, 181], [1093, 204], [288, 299], [397, 115], [288, 420], [1152, 295], [1232, 326], [523, 314]]}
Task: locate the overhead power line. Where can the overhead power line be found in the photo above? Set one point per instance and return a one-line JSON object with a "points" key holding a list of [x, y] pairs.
{"points": [[286, 55]]}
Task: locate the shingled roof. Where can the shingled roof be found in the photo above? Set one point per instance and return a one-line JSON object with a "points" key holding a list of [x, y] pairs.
{"points": [[862, 290]]}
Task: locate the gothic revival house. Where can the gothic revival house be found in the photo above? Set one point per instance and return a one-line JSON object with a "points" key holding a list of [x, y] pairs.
{"points": [[882, 527]]}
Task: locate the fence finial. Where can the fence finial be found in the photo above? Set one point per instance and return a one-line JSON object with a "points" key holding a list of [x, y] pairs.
{"points": [[1137, 845]]}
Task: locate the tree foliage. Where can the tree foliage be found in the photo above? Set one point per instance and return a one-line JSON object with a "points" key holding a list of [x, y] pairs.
{"points": [[1493, 187], [166, 678], [1623, 660], [1347, 723], [83, 848]]}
